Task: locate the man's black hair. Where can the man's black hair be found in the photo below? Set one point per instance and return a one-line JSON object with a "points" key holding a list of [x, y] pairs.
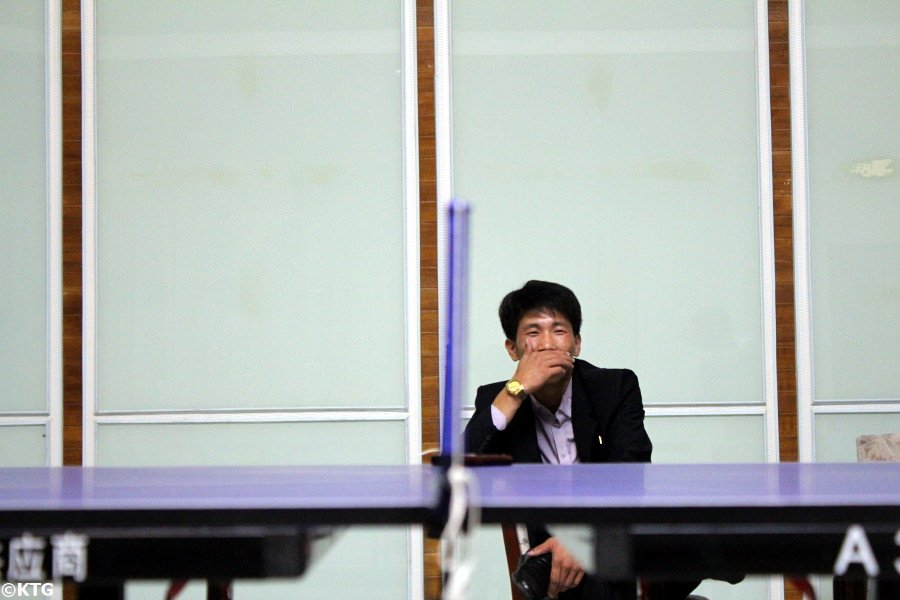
{"points": [[541, 296]]}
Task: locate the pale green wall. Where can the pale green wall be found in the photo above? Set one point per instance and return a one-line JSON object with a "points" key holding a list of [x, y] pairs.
{"points": [[853, 125], [23, 445], [250, 250], [368, 561], [23, 208], [249, 205], [705, 439], [322, 443], [836, 433], [364, 562], [613, 148], [852, 57]]}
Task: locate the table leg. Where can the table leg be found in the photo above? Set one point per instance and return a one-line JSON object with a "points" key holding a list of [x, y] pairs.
{"points": [[218, 590]]}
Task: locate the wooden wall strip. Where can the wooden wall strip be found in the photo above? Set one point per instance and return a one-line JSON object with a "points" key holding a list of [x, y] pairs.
{"points": [[779, 72], [71, 226], [428, 263]]}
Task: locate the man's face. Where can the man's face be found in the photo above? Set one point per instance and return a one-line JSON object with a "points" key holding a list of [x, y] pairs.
{"points": [[541, 331]]}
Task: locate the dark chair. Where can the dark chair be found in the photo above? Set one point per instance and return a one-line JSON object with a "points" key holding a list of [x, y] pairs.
{"points": [[513, 554]]}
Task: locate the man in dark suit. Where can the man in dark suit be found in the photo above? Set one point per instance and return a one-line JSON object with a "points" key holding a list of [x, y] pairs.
{"points": [[560, 410]]}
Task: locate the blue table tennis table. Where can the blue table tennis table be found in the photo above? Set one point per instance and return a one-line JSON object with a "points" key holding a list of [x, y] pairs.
{"points": [[213, 523], [222, 523], [707, 520]]}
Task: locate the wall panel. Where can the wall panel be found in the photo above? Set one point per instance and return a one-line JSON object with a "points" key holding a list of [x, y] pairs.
{"points": [[251, 247], [846, 244], [609, 158], [30, 239], [249, 206], [24, 227], [624, 151]]}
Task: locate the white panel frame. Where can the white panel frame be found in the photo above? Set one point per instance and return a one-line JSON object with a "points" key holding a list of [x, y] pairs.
{"points": [[54, 233], [255, 417], [705, 410], [685, 410], [767, 239], [857, 408], [416, 536], [800, 182], [88, 231], [24, 419]]}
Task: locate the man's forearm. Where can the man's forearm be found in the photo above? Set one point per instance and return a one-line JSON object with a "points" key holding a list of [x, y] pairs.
{"points": [[507, 403]]}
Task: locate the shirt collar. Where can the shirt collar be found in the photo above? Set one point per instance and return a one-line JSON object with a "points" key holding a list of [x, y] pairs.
{"points": [[563, 413]]}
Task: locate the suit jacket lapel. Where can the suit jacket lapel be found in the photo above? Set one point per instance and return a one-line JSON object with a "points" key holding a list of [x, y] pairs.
{"points": [[584, 423], [525, 446]]}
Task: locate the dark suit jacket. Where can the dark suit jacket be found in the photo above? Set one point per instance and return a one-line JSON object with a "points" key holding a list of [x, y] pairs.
{"points": [[606, 404]]}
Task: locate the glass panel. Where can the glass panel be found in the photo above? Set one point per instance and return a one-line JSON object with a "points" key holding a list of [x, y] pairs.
{"points": [[23, 208], [836, 433], [252, 444], [853, 125], [708, 439], [490, 577], [824, 587], [361, 558], [363, 563], [751, 588], [249, 205], [616, 153], [23, 446]]}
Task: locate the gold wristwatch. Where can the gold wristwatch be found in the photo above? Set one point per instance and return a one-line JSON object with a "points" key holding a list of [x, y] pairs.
{"points": [[516, 389]]}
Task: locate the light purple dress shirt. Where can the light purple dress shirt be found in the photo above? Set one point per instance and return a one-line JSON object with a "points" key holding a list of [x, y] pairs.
{"points": [[555, 434]]}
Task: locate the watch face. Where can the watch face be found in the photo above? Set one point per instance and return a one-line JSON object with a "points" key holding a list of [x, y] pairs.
{"points": [[515, 387]]}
